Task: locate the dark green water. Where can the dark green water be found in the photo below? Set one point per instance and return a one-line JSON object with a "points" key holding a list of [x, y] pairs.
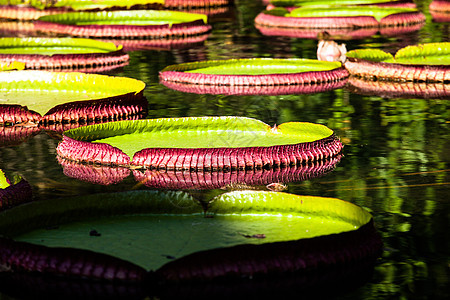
{"points": [[396, 160]]}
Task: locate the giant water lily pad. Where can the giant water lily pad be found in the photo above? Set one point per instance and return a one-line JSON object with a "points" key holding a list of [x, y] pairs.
{"points": [[199, 143], [425, 62], [339, 17], [125, 24], [111, 237], [215, 75], [62, 53], [40, 96]]}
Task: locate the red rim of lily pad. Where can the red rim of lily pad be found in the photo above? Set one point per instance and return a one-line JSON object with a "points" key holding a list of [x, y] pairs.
{"points": [[63, 53], [13, 193], [254, 72], [140, 24], [315, 18], [251, 260], [125, 100], [183, 180], [199, 143], [395, 89], [423, 63]]}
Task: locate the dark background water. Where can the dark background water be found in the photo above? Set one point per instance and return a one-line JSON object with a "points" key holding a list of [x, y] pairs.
{"points": [[396, 149]]}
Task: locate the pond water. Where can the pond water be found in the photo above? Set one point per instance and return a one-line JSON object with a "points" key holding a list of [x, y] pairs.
{"points": [[396, 154]]}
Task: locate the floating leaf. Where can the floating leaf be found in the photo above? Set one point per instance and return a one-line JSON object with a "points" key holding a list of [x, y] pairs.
{"points": [[199, 143]]}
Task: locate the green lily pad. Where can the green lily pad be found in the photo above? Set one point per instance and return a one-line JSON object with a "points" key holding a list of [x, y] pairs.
{"points": [[130, 17], [254, 66], [128, 224], [347, 11], [51, 46], [423, 54], [40, 90]]}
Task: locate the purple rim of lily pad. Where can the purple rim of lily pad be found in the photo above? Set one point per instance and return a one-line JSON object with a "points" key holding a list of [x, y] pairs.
{"points": [[394, 71], [95, 61], [399, 19], [255, 80], [197, 27], [26, 257], [15, 194], [389, 89], [237, 158], [112, 108], [305, 255], [202, 159], [255, 90], [181, 180]]}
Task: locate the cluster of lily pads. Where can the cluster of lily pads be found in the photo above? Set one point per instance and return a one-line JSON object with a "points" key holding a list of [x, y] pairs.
{"points": [[190, 153]]}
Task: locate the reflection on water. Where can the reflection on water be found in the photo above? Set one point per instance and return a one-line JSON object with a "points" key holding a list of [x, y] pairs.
{"points": [[396, 154]]}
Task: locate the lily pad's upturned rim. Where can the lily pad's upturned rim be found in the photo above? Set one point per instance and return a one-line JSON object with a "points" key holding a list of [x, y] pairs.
{"points": [[199, 143], [425, 62], [318, 254], [254, 72]]}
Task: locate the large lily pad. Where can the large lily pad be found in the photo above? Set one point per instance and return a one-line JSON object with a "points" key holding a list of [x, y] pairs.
{"points": [[130, 23], [339, 17], [199, 143], [244, 236], [40, 96], [254, 72], [62, 53], [425, 62]]}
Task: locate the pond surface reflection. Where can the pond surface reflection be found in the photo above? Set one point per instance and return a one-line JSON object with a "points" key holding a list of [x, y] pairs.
{"points": [[396, 154]]}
